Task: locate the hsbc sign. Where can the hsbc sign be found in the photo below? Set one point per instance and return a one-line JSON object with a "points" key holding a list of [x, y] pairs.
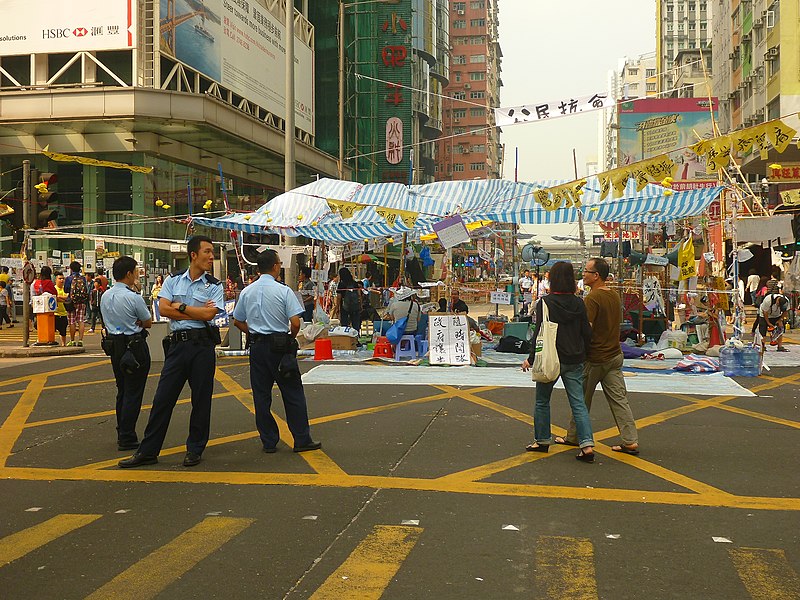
{"points": [[69, 26]]}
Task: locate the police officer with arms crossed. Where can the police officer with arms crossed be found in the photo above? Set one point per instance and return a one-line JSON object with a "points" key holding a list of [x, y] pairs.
{"points": [[190, 299], [126, 317], [266, 311]]}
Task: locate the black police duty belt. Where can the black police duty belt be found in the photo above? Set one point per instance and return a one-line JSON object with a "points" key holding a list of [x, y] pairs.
{"points": [[186, 335], [256, 337]]}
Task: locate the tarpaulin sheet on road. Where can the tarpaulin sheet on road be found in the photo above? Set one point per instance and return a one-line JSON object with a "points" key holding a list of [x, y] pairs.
{"points": [[714, 384]]}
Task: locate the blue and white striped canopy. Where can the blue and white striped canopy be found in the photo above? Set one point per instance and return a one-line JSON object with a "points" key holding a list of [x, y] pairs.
{"points": [[305, 212]]}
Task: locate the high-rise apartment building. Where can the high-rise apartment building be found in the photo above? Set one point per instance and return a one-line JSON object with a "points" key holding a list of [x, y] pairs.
{"points": [[470, 147], [635, 77], [757, 72], [395, 64], [680, 25]]}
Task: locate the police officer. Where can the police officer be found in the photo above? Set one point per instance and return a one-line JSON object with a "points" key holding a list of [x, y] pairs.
{"points": [[126, 317], [270, 314], [190, 299]]}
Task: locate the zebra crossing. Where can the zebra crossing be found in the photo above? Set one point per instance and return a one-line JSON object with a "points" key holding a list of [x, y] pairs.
{"points": [[372, 564]]}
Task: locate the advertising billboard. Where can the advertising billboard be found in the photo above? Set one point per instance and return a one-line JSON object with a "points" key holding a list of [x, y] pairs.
{"points": [[47, 26], [653, 126], [241, 45]]}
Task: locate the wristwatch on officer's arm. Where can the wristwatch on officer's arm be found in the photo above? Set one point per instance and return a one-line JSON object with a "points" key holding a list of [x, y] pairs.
{"points": [[182, 307]]}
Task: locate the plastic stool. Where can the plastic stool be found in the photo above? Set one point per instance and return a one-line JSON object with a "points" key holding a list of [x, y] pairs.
{"points": [[406, 348], [422, 345], [383, 349], [322, 349]]}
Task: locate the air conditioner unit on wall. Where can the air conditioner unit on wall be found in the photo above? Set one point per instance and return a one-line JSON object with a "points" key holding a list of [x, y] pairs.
{"points": [[467, 86], [772, 52]]}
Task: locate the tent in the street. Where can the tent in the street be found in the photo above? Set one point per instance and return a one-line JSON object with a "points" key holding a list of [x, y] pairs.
{"points": [[344, 211]]}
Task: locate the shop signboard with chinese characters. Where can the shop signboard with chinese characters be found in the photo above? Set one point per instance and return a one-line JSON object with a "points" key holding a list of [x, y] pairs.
{"points": [[784, 173], [649, 127], [393, 59]]}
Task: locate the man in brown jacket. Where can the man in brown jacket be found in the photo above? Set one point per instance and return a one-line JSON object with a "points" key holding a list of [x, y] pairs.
{"points": [[604, 359]]}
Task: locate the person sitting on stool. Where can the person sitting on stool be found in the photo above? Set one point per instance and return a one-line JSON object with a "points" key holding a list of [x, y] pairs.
{"points": [[269, 313]]}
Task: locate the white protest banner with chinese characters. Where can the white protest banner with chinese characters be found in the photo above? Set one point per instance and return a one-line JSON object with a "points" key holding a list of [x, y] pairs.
{"points": [[539, 111], [449, 340], [500, 297]]}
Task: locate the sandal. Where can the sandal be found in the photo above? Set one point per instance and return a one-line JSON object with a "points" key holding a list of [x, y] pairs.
{"points": [[585, 457], [564, 441], [537, 447], [626, 449]]}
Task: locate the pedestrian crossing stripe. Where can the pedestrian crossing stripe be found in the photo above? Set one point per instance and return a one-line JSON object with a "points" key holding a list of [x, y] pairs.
{"points": [[561, 562], [150, 576], [23, 542]]}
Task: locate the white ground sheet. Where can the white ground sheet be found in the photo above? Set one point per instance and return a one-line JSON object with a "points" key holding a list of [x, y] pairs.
{"points": [[714, 384]]}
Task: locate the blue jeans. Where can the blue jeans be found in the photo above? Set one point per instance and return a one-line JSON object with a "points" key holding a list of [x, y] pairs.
{"points": [[572, 376]]}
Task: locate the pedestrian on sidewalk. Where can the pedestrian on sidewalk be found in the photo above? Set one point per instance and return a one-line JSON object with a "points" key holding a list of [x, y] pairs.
{"points": [[269, 313], [61, 319], [604, 359], [94, 304], [78, 290], [126, 317], [189, 299], [572, 341], [6, 305]]}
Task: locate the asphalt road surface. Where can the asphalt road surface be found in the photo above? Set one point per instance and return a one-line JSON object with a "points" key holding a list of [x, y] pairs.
{"points": [[419, 492]]}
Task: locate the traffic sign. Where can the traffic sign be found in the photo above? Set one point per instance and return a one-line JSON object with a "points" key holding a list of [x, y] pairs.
{"points": [[28, 273]]}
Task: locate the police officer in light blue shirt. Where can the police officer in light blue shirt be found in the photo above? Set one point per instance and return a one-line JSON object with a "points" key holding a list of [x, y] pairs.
{"points": [[269, 313], [125, 317], [190, 300]]}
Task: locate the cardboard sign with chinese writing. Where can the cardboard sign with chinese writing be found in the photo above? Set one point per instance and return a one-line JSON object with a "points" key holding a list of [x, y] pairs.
{"points": [[500, 297], [449, 340]]}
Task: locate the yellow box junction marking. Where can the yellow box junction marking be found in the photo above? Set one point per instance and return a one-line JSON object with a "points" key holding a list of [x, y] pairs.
{"points": [[766, 573], [317, 460], [21, 543], [468, 481], [151, 575], [12, 428], [565, 568], [371, 566]]}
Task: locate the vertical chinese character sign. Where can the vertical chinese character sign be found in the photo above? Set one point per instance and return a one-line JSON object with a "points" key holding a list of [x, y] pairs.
{"points": [[449, 340], [393, 58]]}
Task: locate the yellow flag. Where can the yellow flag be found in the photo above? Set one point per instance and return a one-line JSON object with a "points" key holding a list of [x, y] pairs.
{"points": [[391, 215], [743, 140], [700, 148], [619, 179], [760, 140], [660, 167], [686, 260], [780, 134], [94, 162], [543, 197], [345, 208], [641, 177], [559, 194], [605, 184], [790, 197]]}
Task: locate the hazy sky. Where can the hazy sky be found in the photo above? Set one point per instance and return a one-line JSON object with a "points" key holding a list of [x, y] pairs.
{"points": [[563, 48]]}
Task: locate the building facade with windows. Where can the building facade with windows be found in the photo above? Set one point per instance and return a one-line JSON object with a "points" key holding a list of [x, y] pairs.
{"points": [[396, 63], [757, 75], [189, 91], [470, 147], [680, 25]]}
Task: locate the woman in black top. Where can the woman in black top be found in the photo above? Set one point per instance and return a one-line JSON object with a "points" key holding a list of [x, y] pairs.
{"points": [[349, 300], [572, 341]]}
